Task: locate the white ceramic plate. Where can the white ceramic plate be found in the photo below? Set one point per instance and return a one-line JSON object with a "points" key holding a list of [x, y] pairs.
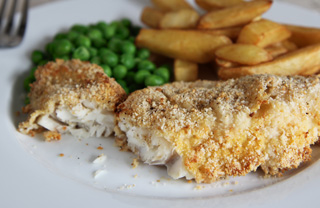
{"points": [[33, 175]]}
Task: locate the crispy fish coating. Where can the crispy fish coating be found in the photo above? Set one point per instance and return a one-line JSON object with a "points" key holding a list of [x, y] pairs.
{"points": [[209, 130], [75, 97]]}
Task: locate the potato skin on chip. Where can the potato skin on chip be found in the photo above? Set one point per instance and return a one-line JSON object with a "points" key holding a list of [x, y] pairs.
{"points": [[293, 63], [263, 33], [192, 46], [234, 16], [244, 54]]}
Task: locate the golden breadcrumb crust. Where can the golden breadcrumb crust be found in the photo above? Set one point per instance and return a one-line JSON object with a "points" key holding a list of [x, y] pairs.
{"points": [[68, 83], [230, 128]]}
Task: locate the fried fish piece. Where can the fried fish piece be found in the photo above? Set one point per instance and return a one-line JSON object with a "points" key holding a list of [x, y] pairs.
{"points": [[72, 97], [209, 130]]}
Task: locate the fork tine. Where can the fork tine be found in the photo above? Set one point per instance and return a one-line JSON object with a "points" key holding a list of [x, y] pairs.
{"points": [[3, 5], [24, 17], [9, 25]]}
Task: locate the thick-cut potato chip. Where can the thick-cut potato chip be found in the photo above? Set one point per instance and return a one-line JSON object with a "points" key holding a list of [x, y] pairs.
{"points": [[304, 36], [171, 5], [231, 32], [293, 63], [310, 71], [185, 70], [276, 50], [289, 45], [182, 19], [151, 17], [225, 64], [210, 5], [280, 48], [263, 33], [193, 46], [244, 54], [234, 16]]}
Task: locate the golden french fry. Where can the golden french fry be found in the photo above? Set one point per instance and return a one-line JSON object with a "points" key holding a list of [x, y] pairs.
{"points": [[289, 45], [263, 33], [281, 48], [151, 17], [181, 44], [185, 70], [210, 5], [304, 36], [225, 64], [310, 71], [276, 50], [231, 32], [234, 16], [295, 62], [243, 54], [182, 19], [171, 5]]}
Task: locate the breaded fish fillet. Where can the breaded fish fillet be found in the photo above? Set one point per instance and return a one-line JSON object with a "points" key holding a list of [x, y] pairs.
{"points": [[208, 130], [73, 97]]}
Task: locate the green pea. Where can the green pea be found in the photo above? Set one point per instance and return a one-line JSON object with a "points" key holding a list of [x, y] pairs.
{"points": [[104, 51], [130, 77], [93, 51], [167, 66], [64, 57], [154, 80], [141, 75], [92, 27], [122, 32], [37, 56], [83, 40], [134, 87], [126, 22], [94, 34], [60, 36], [62, 47], [109, 31], [128, 61], [115, 44], [146, 65], [102, 25], [81, 53], [110, 59], [72, 35], [126, 89], [49, 48], [120, 71], [115, 24], [137, 60], [132, 39], [135, 30], [42, 62], [95, 60], [107, 70], [27, 82], [33, 70], [122, 83], [27, 100], [100, 42], [143, 53], [128, 47], [79, 28], [163, 72]]}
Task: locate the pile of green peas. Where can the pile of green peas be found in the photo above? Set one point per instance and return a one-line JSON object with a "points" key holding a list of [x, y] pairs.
{"points": [[112, 47]]}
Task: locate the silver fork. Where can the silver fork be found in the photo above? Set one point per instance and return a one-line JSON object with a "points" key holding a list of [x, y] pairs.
{"points": [[9, 35]]}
